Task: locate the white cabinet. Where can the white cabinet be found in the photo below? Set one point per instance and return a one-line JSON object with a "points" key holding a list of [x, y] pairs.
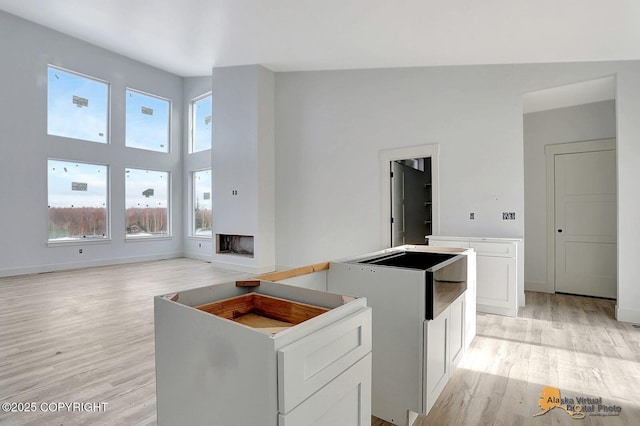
{"points": [[444, 348], [412, 356], [248, 370], [499, 289]]}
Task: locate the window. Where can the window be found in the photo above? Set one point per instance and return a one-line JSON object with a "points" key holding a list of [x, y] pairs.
{"points": [[147, 203], [202, 214], [77, 106], [147, 122], [77, 201], [201, 122]]}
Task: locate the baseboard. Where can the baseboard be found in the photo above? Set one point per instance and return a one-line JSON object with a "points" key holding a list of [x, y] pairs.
{"points": [[199, 256], [243, 268], [627, 315], [41, 269], [540, 287], [489, 309]]}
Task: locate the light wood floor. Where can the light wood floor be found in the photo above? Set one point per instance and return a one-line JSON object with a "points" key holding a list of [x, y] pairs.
{"points": [[87, 336]]}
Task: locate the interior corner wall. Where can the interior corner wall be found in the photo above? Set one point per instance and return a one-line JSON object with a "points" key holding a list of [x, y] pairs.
{"points": [[572, 124], [628, 156], [194, 247], [26, 50], [331, 125]]}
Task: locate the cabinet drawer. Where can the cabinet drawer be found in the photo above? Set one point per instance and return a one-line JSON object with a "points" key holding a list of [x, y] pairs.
{"points": [[344, 401], [494, 249], [313, 361], [448, 243]]}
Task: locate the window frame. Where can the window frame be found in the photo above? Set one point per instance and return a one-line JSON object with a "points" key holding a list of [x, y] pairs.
{"points": [[108, 106], [169, 234], [169, 120], [192, 127], [108, 225], [192, 221]]}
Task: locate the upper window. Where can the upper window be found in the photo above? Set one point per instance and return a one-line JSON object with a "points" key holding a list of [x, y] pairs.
{"points": [[202, 204], [201, 123], [78, 106], [147, 121], [77, 200], [147, 203]]}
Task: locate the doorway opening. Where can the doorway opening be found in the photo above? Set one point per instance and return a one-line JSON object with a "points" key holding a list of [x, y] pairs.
{"points": [[559, 122], [409, 194], [411, 200]]}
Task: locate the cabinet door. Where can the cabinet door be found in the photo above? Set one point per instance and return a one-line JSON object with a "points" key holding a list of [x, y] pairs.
{"points": [[496, 285], [470, 300], [437, 358], [456, 332], [344, 401]]}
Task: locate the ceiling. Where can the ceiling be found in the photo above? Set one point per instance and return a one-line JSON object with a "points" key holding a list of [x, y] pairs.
{"points": [[583, 92], [189, 37]]}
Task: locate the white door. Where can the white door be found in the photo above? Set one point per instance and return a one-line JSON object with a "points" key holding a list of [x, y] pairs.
{"points": [[397, 204], [585, 223]]}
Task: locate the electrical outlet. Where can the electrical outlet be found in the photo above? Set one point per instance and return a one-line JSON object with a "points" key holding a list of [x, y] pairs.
{"points": [[509, 216], [80, 251], [200, 245], [472, 216]]}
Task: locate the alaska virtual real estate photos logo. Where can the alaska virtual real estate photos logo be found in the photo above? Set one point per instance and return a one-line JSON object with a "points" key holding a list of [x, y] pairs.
{"points": [[576, 407]]}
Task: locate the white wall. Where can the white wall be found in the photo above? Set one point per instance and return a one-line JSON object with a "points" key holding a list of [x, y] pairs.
{"points": [[330, 126], [243, 163], [628, 156], [562, 125], [26, 50], [194, 247]]}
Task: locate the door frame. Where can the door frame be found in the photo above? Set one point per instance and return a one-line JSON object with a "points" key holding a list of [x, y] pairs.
{"points": [[550, 151], [387, 156]]}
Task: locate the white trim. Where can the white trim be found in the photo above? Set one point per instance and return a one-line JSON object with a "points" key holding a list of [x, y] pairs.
{"points": [[627, 315], [539, 286], [92, 263], [388, 155], [138, 238], [198, 256], [199, 238], [88, 77], [170, 207], [79, 242], [108, 220], [190, 138], [550, 151], [169, 119], [191, 191]]}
